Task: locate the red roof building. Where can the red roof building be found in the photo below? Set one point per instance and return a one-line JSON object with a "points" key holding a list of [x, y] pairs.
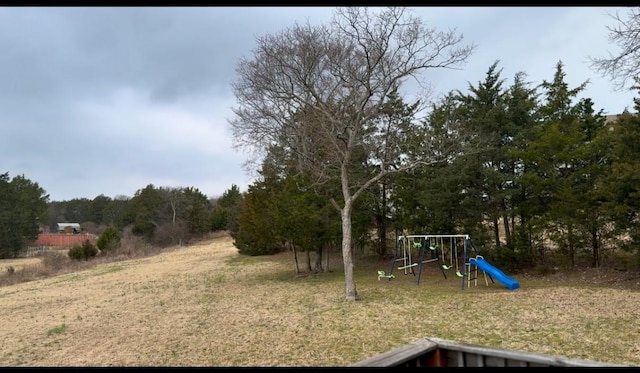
{"points": [[63, 240]]}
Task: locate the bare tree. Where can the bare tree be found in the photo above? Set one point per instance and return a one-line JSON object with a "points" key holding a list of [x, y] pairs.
{"points": [[318, 91], [624, 66]]}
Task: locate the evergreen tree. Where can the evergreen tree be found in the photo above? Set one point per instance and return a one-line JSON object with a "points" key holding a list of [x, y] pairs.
{"points": [[561, 168], [622, 183], [23, 204]]}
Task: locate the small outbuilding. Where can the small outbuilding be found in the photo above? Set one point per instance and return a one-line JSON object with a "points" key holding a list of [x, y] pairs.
{"points": [[69, 228]]}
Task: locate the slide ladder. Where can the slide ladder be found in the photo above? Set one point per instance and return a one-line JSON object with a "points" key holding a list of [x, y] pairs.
{"points": [[479, 263], [472, 273]]}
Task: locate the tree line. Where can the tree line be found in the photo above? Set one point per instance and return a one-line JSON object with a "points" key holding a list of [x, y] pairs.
{"points": [[161, 215], [531, 172]]}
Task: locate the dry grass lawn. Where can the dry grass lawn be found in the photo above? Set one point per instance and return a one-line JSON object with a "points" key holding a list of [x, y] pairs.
{"points": [[207, 306]]}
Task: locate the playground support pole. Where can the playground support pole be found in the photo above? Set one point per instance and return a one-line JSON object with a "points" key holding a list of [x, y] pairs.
{"points": [[395, 256], [440, 264], [424, 245], [464, 261], [421, 260]]}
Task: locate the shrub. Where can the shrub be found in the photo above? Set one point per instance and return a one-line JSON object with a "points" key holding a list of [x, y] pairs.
{"points": [[251, 244], [76, 253], [109, 239], [170, 234], [89, 249], [84, 252]]}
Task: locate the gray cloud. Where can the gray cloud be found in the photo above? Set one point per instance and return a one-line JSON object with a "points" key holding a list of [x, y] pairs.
{"points": [[107, 100]]}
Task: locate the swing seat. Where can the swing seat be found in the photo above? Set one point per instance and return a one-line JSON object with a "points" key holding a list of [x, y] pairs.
{"points": [[446, 266], [458, 274], [381, 274]]}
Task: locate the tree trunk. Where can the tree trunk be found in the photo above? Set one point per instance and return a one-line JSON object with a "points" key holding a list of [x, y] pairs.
{"points": [[318, 265], [382, 235], [507, 231], [381, 222], [572, 258], [595, 246], [296, 267], [496, 230], [347, 257], [325, 257], [308, 260]]}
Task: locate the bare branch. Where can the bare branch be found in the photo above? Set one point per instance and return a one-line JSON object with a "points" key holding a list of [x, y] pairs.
{"points": [[623, 67]]}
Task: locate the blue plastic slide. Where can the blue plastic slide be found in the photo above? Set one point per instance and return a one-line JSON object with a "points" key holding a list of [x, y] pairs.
{"points": [[494, 272]]}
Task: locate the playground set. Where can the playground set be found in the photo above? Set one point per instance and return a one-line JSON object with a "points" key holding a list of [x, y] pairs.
{"points": [[444, 249]]}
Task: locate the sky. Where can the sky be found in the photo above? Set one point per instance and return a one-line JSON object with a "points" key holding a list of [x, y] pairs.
{"points": [[105, 101]]}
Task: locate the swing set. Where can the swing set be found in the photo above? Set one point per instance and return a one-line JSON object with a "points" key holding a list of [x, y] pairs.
{"points": [[444, 250]]}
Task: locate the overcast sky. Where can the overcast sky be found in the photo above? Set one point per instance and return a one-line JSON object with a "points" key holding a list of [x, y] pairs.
{"points": [[108, 100]]}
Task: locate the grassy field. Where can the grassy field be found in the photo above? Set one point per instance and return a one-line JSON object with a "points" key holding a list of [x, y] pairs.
{"points": [[205, 305]]}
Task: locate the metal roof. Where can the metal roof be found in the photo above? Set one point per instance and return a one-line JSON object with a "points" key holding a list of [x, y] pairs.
{"points": [[72, 225]]}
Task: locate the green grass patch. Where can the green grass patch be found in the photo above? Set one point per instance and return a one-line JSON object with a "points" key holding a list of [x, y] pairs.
{"points": [[57, 330]]}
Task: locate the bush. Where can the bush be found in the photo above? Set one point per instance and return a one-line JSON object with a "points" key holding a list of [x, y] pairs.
{"points": [[84, 252], [168, 234], [109, 239], [54, 261], [76, 253], [251, 244]]}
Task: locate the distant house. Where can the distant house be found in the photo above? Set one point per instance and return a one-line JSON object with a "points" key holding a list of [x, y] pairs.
{"points": [[69, 235], [63, 240], [69, 228]]}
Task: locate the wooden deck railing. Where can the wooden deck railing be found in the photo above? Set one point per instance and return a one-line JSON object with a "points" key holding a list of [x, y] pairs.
{"points": [[435, 352]]}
